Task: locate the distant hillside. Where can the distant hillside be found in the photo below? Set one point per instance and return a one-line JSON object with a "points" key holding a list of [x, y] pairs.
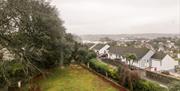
{"points": [[126, 36]]}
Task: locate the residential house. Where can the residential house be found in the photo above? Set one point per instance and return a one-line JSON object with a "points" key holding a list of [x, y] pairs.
{"points": [[100, 49], [143, 55], [146, 58], [162, 62]]}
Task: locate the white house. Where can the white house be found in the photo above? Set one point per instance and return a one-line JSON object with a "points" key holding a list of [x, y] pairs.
{"points": [[146, 58], [100, 48], [143, 55], [162, 62]]}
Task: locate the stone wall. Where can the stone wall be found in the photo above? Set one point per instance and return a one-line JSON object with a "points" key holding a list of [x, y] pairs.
{"points": [[160, 77]]}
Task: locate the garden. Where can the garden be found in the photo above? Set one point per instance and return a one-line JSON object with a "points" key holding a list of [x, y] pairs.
{"points": [[120, 74], [73, 78]]}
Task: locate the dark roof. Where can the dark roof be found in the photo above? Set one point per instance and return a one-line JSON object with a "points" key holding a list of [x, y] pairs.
{"points": [[98, 46], [159, 55], [89, 44], [140, 52]]}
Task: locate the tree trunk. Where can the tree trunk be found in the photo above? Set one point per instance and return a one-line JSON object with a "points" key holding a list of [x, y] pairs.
{"points": [[61, 59], [88, 64]]}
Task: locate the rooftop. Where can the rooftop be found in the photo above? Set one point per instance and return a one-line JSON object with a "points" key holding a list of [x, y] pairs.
{"points": [[159, 55], [140, 52], [99, 46]]}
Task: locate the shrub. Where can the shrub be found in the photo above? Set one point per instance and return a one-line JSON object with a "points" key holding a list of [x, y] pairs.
{"points": [[113, 73], [144, 85], [103, 68], [127, 76], [86, 55]]}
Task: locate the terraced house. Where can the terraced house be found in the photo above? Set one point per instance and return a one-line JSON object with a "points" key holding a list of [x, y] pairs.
{"points": [[143, 55], [161, 61], [146, 58], [100, 49]]}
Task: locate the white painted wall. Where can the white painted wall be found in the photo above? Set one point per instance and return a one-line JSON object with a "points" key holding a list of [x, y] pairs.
{"points": [[145, 61], [148, 55], [156, 64], [111, 56], [123, 59], [167, 63], [115, 56], [136, 64], [178, 55]]}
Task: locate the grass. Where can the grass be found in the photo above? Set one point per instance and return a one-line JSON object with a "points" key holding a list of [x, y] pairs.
{"points": [[74, 78]]}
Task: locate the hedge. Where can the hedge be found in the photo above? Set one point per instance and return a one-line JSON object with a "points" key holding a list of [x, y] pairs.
{"points": [[103, 68], [144, 85], [111, 72], [166, 79]]}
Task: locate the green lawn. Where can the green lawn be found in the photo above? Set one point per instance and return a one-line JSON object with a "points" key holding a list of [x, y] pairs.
{"points": [[74, 78]]}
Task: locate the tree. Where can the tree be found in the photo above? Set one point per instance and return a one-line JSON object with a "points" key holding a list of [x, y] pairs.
{"points": [[81, 54], [33, 32], [130, 58], [128, 76]]}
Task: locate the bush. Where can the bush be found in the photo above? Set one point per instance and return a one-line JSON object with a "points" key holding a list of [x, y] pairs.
{"points": [[144, 85], [139, 85], [112, 73], [84, 55], [98, 66], [103, 68]]}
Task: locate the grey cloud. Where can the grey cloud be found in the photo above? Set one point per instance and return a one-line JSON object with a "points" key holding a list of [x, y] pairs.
{"points": [[120, 16]]}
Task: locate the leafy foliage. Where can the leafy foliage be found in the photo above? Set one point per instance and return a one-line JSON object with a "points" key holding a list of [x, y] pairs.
{"points": [[32, 31], [103, 68], [130, 57], [126, 77], [143, 85]]}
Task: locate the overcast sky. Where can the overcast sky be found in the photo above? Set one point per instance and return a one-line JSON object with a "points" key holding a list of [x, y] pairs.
{"points": [[120, 16]]}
